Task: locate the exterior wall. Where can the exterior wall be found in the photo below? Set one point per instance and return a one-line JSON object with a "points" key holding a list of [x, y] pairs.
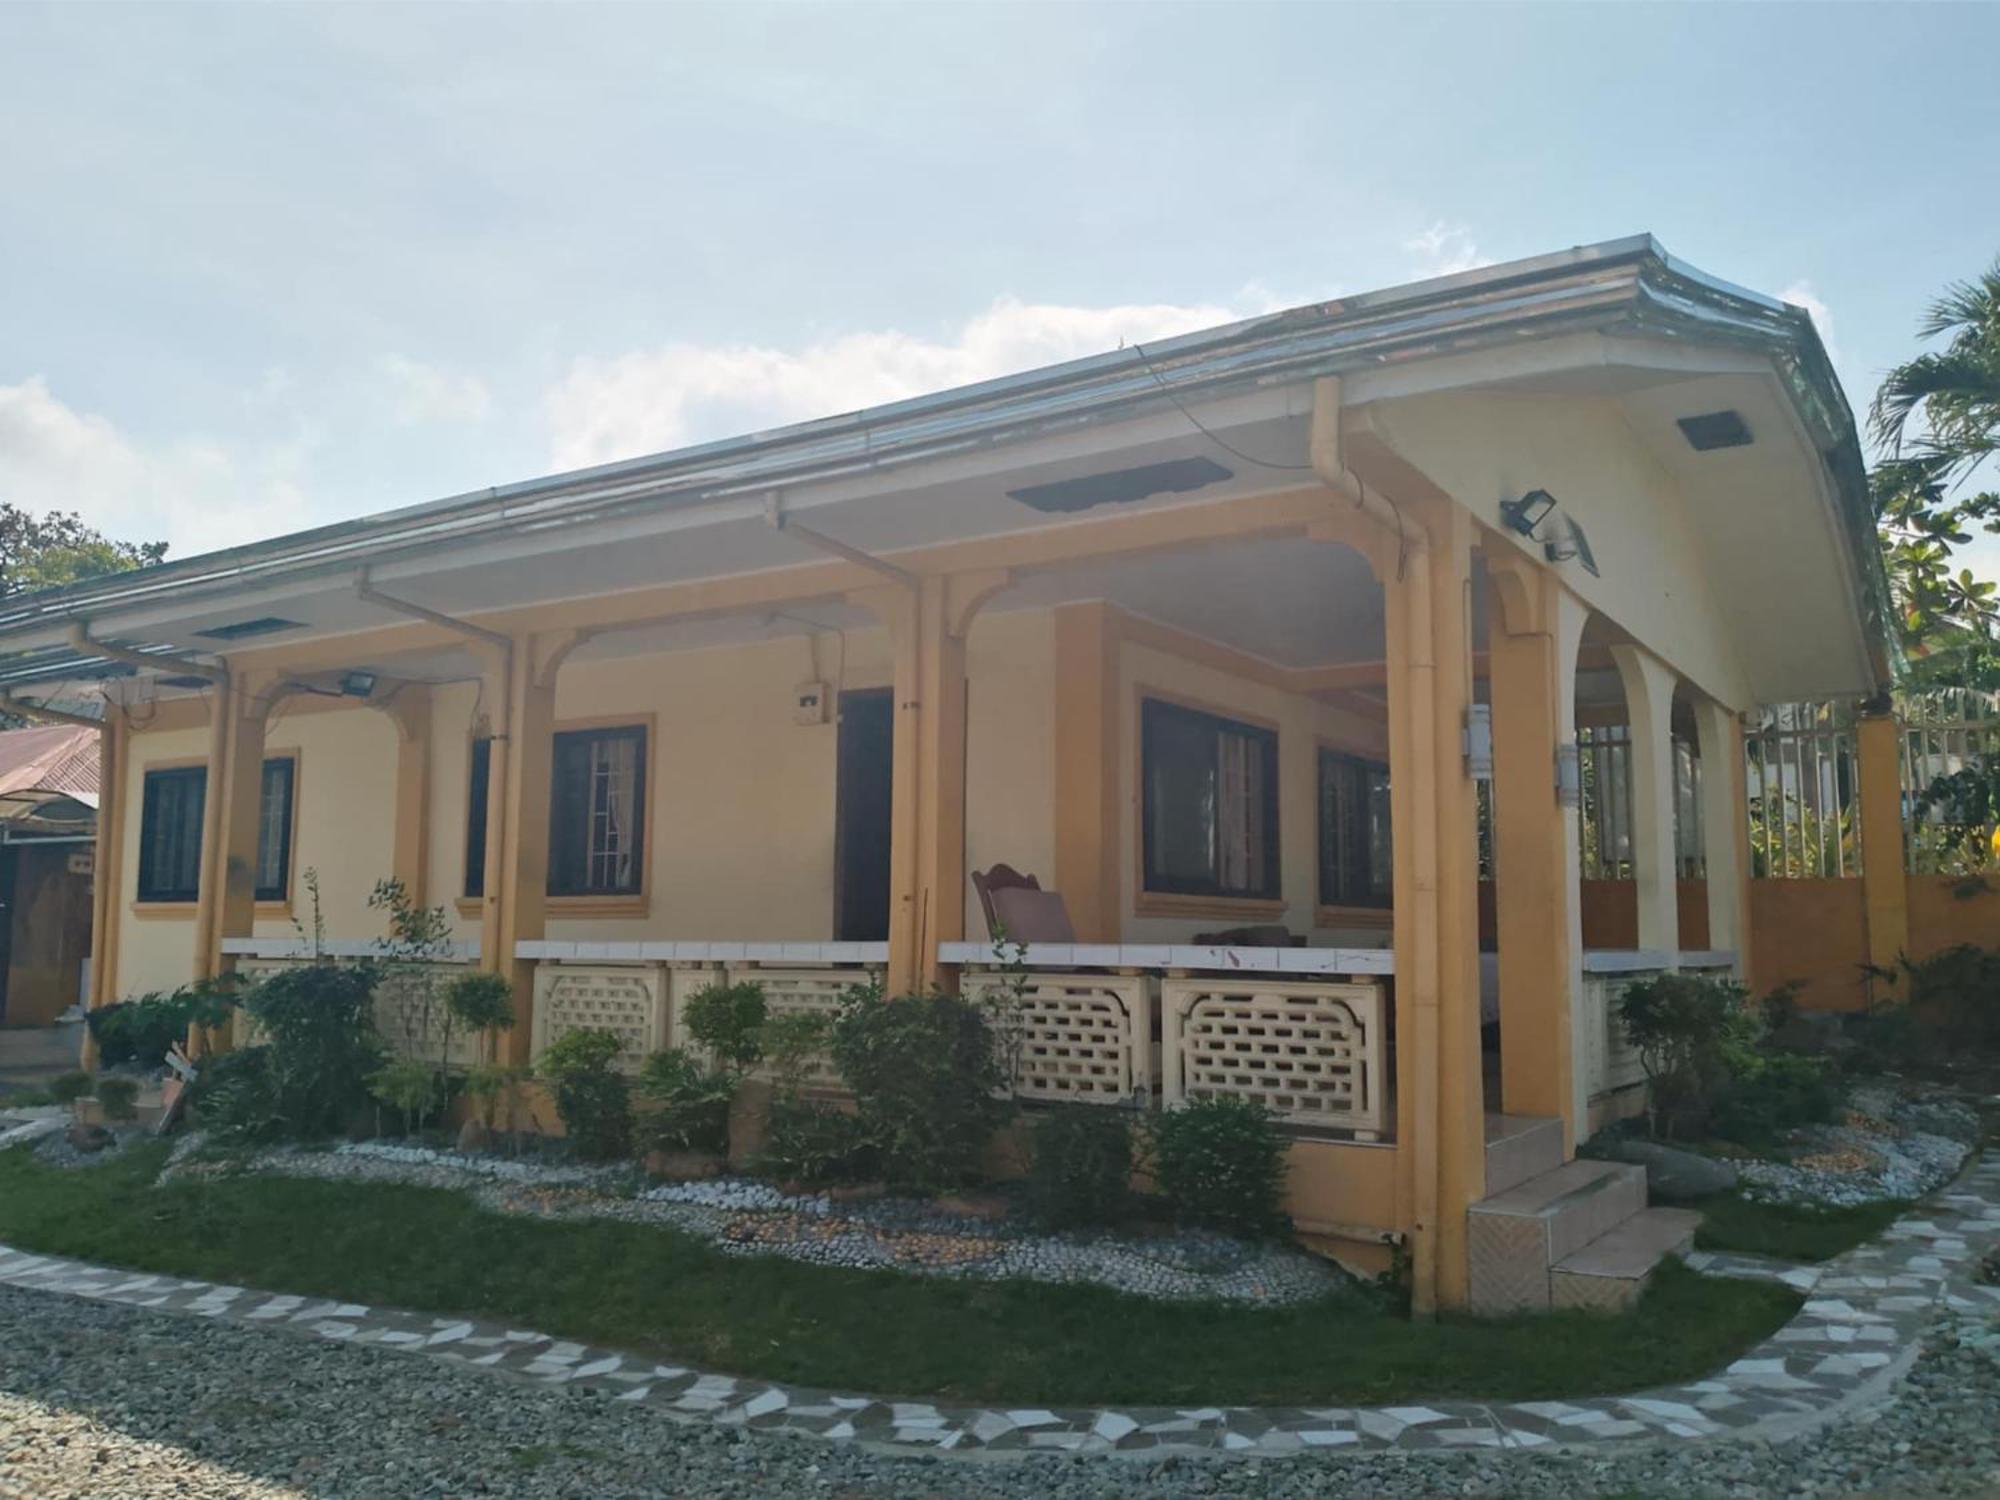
{"points": [[1302, 724], [1810, 930], [1611, 914], [1655, 582], [1945, 911], [347, 767]]}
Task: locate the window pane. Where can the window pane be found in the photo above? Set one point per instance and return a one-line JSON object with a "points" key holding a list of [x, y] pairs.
{"points": [[475, 817], [170, 834], [1355, 841], [274, 831], [1210, 793], [597, 813]]}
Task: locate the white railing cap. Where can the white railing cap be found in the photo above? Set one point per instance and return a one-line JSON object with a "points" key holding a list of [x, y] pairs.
{"points": [[1302, 961]]}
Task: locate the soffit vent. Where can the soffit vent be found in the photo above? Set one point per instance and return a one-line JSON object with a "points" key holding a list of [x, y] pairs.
{"points": [[236, 630], [1122, 486], [192, 684], [1715, 429]]}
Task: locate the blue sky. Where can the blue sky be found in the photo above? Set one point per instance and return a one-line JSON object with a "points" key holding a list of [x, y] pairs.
{"points": [[263, 267]]}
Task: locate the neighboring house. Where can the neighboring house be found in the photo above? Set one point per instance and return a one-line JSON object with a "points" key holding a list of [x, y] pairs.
{"points": [[48, 834], [1206, 635]]}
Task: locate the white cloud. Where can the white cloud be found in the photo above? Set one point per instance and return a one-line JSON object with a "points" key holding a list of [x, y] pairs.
{"points": [[1801, 294], [193, 494], [650, 400], [425, 394], [1445, 249]]}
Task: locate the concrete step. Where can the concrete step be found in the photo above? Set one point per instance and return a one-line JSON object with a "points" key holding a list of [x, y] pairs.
{"points": [[1519, 1147], [1609, 1273], [1517, 1236]]}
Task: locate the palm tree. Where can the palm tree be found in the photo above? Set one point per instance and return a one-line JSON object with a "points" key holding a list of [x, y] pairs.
{"points": [[1956, 387]]}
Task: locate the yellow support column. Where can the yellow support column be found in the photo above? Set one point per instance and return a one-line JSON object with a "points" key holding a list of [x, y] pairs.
{"points": [[114, 740], [524, 861], [1427, 598], [410, 863], [1534, 879], [1885, 886], [1087, 758], [1725, 828]]}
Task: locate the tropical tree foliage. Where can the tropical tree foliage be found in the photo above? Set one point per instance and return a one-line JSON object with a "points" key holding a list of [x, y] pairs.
{"points": [[1937, 422], [38, 552]]}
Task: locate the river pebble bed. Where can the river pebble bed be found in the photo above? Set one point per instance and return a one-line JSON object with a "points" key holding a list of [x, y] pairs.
{"points": [[106, 1402], [1892, 1142], [743, 1216]]}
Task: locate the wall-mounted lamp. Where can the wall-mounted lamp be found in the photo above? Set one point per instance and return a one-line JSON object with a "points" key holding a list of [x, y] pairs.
{"points": [[1569, 776], [1528, 512], [1573, 544], [357, 684], [1477, 740]]}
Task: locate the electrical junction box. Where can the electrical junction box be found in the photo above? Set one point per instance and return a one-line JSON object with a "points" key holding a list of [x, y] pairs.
{"points": [[809, 703]]}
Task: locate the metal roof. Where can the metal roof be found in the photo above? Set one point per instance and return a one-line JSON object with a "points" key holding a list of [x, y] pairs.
{"points": [[1628, 285]]}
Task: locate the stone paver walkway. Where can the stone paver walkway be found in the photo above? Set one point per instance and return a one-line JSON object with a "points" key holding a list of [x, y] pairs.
{"points": [[1857, 1331]]}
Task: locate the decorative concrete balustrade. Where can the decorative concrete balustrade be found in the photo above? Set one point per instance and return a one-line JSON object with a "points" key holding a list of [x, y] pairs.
{"points": [[409, 1002], [1609, 1062]]}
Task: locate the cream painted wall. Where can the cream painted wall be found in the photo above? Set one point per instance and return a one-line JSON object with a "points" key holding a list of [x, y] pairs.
{"points": [[1010, 765], [347, 767], [1656, 581], [1302, 724]]}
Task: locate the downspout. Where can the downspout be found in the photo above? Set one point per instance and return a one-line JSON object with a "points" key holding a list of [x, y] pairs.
{"points": [[1413, 573], [492, 926]]}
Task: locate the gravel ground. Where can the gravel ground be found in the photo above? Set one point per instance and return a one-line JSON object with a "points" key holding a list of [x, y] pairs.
{"points": [[1897, 1141], [742, 1216], [117, 1403]]}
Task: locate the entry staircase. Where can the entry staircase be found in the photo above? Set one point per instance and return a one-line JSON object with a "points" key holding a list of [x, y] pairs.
{"points": [[1553, 1234]]}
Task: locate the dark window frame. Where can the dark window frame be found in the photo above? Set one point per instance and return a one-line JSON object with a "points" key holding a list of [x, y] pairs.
{"points": [[1350, 883], [569, 845], [1157, 718], [478, 792], [192, 813], [280, 889], [152, 810]]}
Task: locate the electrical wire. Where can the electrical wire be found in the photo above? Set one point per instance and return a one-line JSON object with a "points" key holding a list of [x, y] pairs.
{"points": [[1195, 422]]}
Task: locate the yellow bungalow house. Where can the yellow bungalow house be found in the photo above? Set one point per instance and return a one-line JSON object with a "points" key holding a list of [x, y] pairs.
{"points": [[1264, 649]]}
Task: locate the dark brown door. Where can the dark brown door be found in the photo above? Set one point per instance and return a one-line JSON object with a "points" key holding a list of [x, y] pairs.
{"points": [[861, 816]]}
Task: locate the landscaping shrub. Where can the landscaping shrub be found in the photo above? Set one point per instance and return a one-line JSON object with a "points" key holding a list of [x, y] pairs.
{"points": [[321, 1048], [727, 1020], [67, 1088], [1684, 1026], [141, 1030], [1951, 1000], [1220, 1163], [925, 1081], [1768, 1093], [408, 1087], [233, 1094], [1081, 1173], [687, 1105], [591, 1096], [815, 1142], [480, 1001], [119, 1098]]}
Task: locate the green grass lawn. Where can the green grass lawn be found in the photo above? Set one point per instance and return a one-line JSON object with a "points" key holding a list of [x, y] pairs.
{"points": [[644, 1288], [1732, 1222]]}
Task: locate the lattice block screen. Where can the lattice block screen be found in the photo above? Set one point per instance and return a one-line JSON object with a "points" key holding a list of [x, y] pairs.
{"points": [[1312, 1053], [789, 991], [1077, 1038], [628, 1000], [243, 1028], [1610, 1060], [410, 1014]]}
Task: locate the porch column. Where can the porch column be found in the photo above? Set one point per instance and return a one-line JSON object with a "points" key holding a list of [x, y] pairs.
{"points": [[1435, 828], [927, 622], [1884, 883], [523, 875], [410, 708], [1649, 706], [226, 903], [1087, 759], [1533, 629], [114, 747], [1725, 827]]}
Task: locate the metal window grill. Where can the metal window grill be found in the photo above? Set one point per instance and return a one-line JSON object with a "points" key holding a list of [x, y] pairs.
{"points": [[1945, 732], [1604, 753], [1803, 780]]}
